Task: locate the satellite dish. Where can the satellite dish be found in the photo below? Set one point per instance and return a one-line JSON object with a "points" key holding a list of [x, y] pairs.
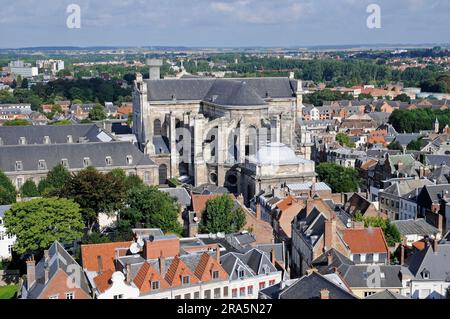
{"points": [[134, 248], [196, 219]]}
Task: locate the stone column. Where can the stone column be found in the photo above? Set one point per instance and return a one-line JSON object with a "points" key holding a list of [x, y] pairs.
{"points": [[200, 174], [173, 147]]}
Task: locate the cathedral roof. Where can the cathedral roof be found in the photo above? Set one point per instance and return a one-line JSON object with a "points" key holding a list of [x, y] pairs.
{"points": [[277, 154]]}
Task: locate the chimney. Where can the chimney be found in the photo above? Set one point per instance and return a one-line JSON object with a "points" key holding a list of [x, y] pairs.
{"points": [[258, 211], [358, 225], [100, 264], [128, 273], [435, 246], [272, 256], [162, 264], [325, 294], [330, 230], [402, 254], [31, 271], [154, 68], [218, 253], [329, 258]]}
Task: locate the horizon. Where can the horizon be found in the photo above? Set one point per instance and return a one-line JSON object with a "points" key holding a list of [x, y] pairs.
{"points": [[222, 24]]}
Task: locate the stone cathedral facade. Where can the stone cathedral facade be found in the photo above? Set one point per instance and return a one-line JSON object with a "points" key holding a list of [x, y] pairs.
{"points": [[221, 131]]}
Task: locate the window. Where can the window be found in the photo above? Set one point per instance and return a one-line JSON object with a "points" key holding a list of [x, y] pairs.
{"points": [[147, 177], [186, 280], [369, 293], [217, 293], [65, 163], [108, 161], [118, 297], [262, 285], [376, 257], [129, 159], [19, 182], [53, 297], [250, 290], [86, 162], [178, 297], [19, 166], [363, 258], [69, 139], [234, 293], [2, 235], [225, 291], [207, 294], [155, 285], [10, 249], [241, 273], [242, 292], [196, 295], [22, 141], [46, 139], [187, 296], [70, 295], [42, 165], [215, 275]]}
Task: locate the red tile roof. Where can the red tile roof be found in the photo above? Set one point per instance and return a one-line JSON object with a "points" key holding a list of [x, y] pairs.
{"points": [[103, 281], [365, 241], [90, 255], [199, 201]]}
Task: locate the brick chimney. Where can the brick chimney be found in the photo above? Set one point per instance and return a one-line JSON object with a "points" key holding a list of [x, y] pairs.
{"points": [[258, 211], [324, 294], [402, 254], [218, 253], [162, 264], [436, 246], [330, 231], [31, 271]]}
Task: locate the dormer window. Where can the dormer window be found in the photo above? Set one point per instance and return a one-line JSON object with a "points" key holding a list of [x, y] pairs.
{"points": [[69, 139], [155, 285], [22, 141], [108, 160], [215, 275], [19, 166], [65, 163], [1, 141], [186, 280], [129, 159], [266, 269], [241, 273], [42, 165], [86, 162], [46, 139], [425, 274]]}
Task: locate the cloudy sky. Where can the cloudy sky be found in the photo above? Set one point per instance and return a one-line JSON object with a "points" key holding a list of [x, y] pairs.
{"points": [[26, 23]]}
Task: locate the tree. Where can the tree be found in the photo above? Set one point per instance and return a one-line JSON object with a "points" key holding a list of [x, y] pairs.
{"points": [[220, 216], [17, 122], [148, 207], [96, 193], [7, 190], [391, 232], [365, 96], [29, 189], [340, 179], [415, 145], [403, 98], [40, 222], [24, 84], [395, 146], [57, 177], [344, 140], [97, 113]]}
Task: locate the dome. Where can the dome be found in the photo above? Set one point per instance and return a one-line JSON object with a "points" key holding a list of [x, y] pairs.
{"points": [[276, 154]]}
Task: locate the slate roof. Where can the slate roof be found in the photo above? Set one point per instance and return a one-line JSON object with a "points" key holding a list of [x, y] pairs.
{"points": [[3, 209], [386, 295], [441, 175], [404, 187], [438, 160], [60, 259], [435, 191], [74, 153], [229, 91], [405, 139], [253, 263], [437, 264], [10, 135], [309, 287], [180, 194], [415, 227]]}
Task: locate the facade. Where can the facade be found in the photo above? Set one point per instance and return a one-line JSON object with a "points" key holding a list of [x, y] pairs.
{"points": [[25, 70], [6, 240], [206, 128]]}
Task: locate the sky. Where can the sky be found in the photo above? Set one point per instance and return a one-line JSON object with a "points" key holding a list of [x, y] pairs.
{"points": [[222, 23]]}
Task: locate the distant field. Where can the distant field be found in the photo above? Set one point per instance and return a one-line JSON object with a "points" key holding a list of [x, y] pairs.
{"points": [[8, 292]]}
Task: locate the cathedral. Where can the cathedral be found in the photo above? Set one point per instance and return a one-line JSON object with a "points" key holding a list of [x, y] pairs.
{"points": [[244, 134]]}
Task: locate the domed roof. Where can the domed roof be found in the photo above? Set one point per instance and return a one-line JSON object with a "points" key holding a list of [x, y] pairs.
{"points": [[276, 154]]}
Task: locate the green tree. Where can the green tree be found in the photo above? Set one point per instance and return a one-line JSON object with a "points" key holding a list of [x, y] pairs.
{"points": [[24, 84], [29, 189], [40, 222], [57, 177], [415, 145], [340, 179], [395, 146], [7, 190], [220, 215], [403, 98], [17, 122], [96, 193], [344, 140], [97, 113], [151, 208], [130, 181], [391, 232]]}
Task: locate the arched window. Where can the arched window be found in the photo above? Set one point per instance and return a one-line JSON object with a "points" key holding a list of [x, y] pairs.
{"points": [[162, 174], [157, 128]]}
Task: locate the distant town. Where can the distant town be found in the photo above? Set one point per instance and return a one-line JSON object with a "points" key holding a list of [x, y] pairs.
{"points": [[220, 173]]}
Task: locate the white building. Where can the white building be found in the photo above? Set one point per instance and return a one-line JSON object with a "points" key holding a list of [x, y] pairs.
{"points": [[6, 241], [25, 70]]}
